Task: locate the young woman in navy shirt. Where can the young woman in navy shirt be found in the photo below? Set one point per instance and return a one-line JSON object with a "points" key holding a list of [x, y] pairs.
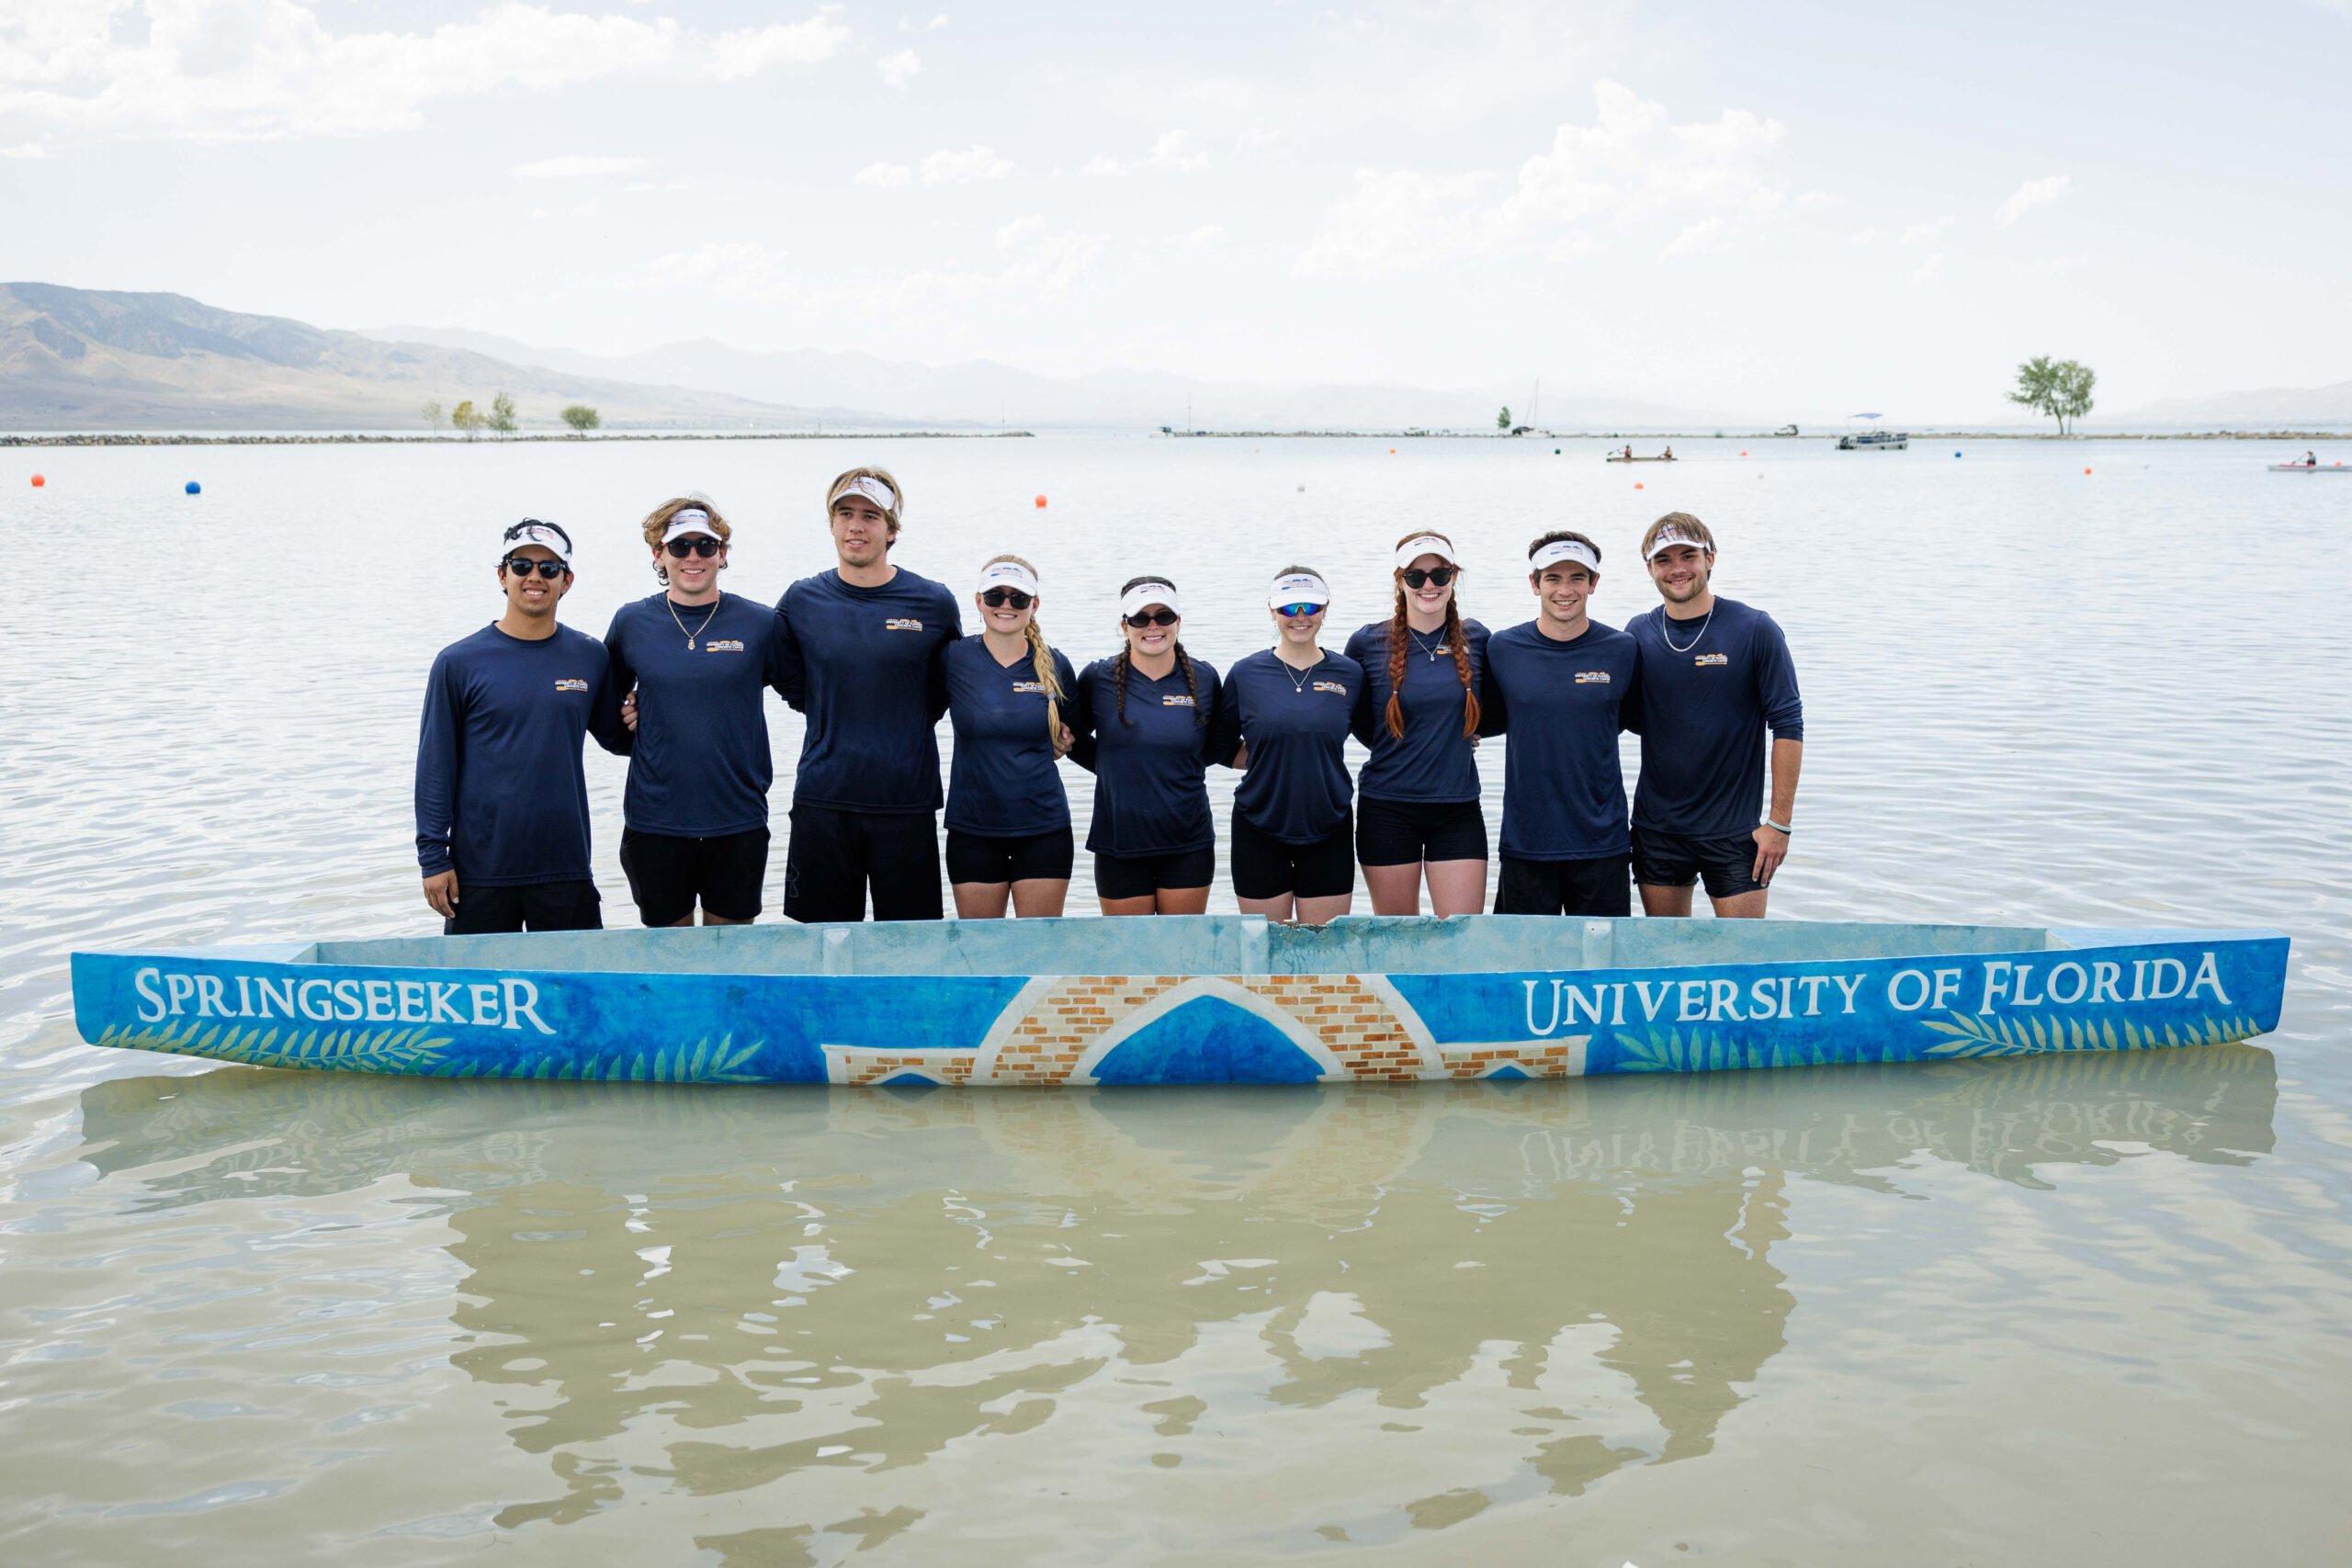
{"points": [[1141, 724], [1419, 813], [1008, 818], [1284, 719]]}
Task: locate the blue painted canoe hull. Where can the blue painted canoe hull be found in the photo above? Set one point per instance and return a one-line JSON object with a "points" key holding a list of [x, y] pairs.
{"points": [[1194, 999]]}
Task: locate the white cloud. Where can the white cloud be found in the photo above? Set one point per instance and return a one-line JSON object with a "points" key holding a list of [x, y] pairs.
{"points": [[749, 51], [1862, 237], [947, 167], [2033, 194], [1204, 233], [1930, 269], [882, 175], [1632, 165], [1033, 262], [575, 167], [932, 25], [1257, 136], [1102, 163], [1921, 233], [736, 269], [224, 69], [1174, 150], [588, 208], [25, 150], [899, 68]]}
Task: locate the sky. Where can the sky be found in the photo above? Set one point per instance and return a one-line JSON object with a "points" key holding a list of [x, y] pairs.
{"points": [[1725, 207]]}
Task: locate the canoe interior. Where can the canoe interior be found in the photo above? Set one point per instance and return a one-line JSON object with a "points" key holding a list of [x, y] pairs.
{"points": [[1185, 944]]}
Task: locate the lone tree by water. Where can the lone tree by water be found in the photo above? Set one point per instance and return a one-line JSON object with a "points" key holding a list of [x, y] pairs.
{"points": [[431, 415], [2060, 389], [1502, 420], [502, 414], [581, 418], [466, 420]]}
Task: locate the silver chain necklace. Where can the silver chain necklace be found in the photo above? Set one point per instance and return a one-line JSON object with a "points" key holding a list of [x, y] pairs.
{"points": [[1420, 647], [1664, 620], [672, 605], [1298, 680]]}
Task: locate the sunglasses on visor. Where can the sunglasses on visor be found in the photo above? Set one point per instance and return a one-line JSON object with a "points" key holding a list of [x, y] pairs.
{"points": [[701, 544], [997, 598], [521, 566]]}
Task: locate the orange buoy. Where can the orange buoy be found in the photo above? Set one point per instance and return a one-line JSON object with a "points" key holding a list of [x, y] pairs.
{"points": [[2086, 470], [1637, 484], [1041, 500], [1742, 454], [1392, 451], [39, 481]]}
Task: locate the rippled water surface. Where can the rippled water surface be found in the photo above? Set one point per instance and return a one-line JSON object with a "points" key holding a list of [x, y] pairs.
{"points": [[2081, 1311]]}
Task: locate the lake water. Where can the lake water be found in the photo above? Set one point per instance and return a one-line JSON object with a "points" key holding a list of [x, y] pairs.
{"points": [[2084, 1311]]}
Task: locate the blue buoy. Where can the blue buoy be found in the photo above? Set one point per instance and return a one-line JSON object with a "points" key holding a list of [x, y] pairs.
{"points": [[194, 488], [1955, 453]]}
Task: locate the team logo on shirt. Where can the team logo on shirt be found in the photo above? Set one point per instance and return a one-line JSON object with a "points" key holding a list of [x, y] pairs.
{"points": [[902, 623], [725, 644], [572, 685], [1167, 702], [1332, 686], [1592, 677], [1706, 658], [1036, 687]]}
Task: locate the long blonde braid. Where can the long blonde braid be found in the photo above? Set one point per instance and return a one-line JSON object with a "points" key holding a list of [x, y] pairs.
{"points": [[1041, 659]]}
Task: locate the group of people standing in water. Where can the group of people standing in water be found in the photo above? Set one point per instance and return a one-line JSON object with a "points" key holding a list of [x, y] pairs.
{"points": [[874, 655]]}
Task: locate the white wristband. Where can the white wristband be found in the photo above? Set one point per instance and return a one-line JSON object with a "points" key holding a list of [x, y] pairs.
{"points": [[1779, 828]]}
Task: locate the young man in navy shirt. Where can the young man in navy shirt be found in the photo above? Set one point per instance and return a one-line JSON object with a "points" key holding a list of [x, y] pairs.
{"points": [[1562, 686], [502, 804], [1715, 675], [862, 643]]}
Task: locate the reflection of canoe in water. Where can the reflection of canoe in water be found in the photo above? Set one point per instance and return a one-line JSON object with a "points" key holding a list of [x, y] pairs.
{"points": [[1188, 999], [1657, 459], [2311, 469]]}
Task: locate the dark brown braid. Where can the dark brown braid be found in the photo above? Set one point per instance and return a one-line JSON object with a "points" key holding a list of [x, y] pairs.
{"points": [[1119, 680], [1460, 645], [1398, 634], [1126, 657], [1400, 631], [1191, 686]]}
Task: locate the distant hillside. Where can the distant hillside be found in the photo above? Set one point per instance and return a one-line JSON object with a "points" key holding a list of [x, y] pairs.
{"points": [[2270, 408], [83, 359], [983, 392]]}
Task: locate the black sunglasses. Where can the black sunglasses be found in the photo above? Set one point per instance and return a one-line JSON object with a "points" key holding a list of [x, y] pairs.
{"points": [[1442, 575], [521, 565], [997, 598], [701, 544], [1143, 618]]}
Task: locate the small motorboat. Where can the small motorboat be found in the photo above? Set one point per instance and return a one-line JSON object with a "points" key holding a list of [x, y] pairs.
{"points": [[1875, 441], [1203, 999]]}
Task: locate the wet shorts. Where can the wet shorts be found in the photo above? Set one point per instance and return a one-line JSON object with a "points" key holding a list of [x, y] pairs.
{"points": [[535, 907], [1597, 886], [978, 857], [1669, 860], [1268, 867], [1407, 832], [1141, 876], [668, 875]]}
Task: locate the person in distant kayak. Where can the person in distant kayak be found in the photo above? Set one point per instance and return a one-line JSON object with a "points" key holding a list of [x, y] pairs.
{"points": [[1140, 722], [501, 802], [2310, 459], [1562, 686], [1668, 455], [864, 642], [1008, 817], [1419, 813], [1715, 676], [695, 662], [1284, 717]]}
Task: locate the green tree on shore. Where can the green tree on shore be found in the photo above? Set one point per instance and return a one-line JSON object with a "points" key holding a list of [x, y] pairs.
{"points": [[2060, 389], [581, 418], [466, 420], [502, 414], [431, 414], [1502, 421]]}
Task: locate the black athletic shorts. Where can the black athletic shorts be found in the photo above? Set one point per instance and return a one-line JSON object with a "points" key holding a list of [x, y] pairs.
{"points": [[1669, 860], [1141, 876], [1268, 867], [535, 907], [1407, 832], [668, 875], [1603, 886], [977, 857], [836, 856]]}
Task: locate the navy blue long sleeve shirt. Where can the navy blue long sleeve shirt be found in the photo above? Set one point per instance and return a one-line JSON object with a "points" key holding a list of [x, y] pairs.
{"points": [[1562, 704], [501, 798], [1435, 762], [700, 767], [1150, 794], [863, 665], [1295, 723], [1003, 782], [1709, 689]]}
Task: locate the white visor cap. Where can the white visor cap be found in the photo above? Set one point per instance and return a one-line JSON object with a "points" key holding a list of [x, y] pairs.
{"points": [[1297, 588], [1009, 574], [1143, 596], [541, 534], [1560, 550], [693, 520], [1414, 549], [1670, 538], [869, 487]]}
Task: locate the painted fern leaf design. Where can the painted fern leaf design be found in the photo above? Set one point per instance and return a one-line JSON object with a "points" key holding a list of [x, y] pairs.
{"points": [[703, 1062], [319, 1050], [1669, 1051], [1971, 1035]]}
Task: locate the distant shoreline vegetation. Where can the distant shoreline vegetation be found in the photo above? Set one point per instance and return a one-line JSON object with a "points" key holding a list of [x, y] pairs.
{"points": [[145, 438], [139, 438]]}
